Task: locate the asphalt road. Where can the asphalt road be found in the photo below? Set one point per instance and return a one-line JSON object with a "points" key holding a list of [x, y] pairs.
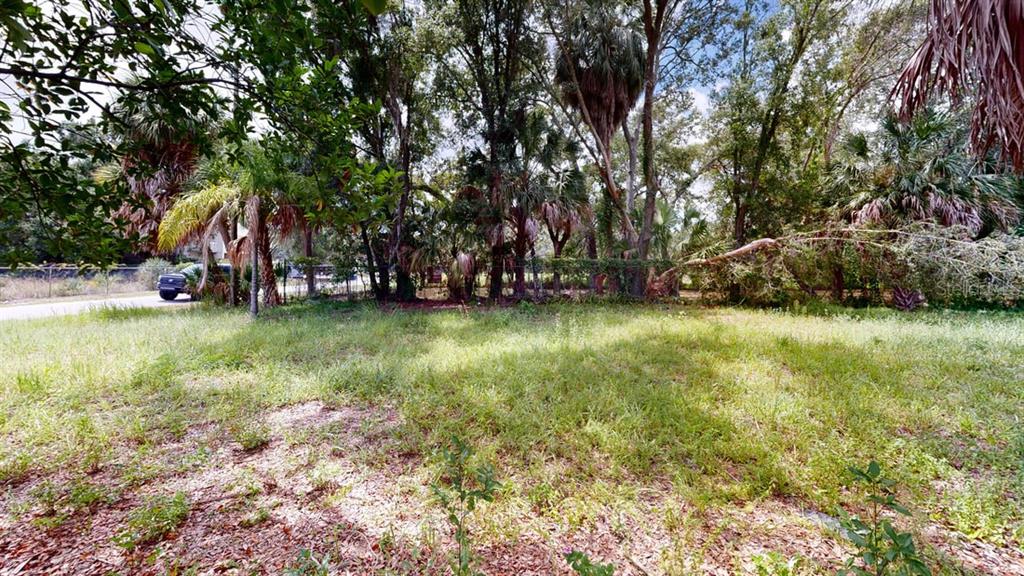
{"points": [[65, 307]]}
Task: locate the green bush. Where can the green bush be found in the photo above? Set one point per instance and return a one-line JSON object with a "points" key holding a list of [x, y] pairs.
{"points": [[775, 564], [150, 270], [582, 565]]}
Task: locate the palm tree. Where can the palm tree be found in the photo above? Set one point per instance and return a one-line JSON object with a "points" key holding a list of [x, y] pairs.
{"points": [[921, 171], [201, 215], [565, 205], [600, 71], [222, 191], [160, 152], [975, 49], [527, 191]]}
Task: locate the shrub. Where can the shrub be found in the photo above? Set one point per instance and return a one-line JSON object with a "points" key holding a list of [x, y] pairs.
{"points": [[775, 564], [150, 270], [582, 565], [58, 503], [308, 564], [881, 549], [458, 490], [250, 433]]}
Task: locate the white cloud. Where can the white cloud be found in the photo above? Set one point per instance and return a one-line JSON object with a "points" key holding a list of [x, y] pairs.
{"points": [[701, 102]]}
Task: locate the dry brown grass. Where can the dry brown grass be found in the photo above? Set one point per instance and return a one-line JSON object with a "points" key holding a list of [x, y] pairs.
{"points": [[14, 289]]}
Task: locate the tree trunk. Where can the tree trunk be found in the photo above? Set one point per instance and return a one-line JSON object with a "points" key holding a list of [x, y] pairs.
{"points": [[739, 222], [383, 278], [497, 271], [591, 241], [520, 245], [615, 195], [838, 283], [631, 144], [556, 277], [307, 240], [267, 276], [519, 286], [469, 283], [405, 290], [653, 31], [371, 261], [536, 274], [235, 275], [647, 137], [496, 284], [405, 286], [739, 237], [254, 281]]}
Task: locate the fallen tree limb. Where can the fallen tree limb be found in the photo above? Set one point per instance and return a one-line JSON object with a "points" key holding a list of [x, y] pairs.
{"points": [[659, 285], [756, 245], [859, 236], [824, 235]]}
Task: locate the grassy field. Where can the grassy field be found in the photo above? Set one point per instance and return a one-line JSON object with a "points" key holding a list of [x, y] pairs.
{"points": [[665, 424]]}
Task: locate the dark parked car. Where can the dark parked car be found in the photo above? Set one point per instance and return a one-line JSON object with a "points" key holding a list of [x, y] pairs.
{"points": [[184, 282]]}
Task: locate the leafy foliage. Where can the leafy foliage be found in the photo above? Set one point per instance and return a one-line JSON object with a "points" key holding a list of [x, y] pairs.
{"points": [[309, 564], [921, 171], [775, 564], [582, 565], [458, 491], [881, 549]]}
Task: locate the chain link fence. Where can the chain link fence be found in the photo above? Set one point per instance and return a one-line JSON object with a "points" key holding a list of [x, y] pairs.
{"points": [[547, 278], [537, 279], [58, 281]]}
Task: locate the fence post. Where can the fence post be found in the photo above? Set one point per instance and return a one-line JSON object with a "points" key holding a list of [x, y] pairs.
{"points": [[49, 281], [284, 286]]}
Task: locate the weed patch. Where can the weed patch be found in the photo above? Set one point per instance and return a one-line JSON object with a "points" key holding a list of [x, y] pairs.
{"points": [[153, 521]]}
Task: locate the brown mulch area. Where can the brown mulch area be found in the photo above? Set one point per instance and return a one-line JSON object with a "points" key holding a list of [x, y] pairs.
{"points": [[337, 480]]}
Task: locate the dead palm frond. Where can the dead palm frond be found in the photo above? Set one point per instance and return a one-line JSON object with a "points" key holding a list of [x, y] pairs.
{"points": [[973, 49], [920, 171], [600, 68], [160, 150]]}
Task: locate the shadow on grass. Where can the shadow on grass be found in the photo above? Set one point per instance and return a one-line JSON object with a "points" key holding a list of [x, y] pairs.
{"points": [[610, 394]]}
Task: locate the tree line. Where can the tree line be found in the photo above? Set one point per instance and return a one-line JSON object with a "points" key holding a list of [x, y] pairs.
{"points": [[472, 135]]}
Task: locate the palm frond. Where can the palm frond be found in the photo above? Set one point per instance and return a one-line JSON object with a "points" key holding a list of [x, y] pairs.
{"points": [[108, 173], [920, 171], [216, 224], [193, 212], [973, 48]]}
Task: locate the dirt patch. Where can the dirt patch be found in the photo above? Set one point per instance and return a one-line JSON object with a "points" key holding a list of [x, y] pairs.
{"points": [[339, 481], [328, 479]]}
